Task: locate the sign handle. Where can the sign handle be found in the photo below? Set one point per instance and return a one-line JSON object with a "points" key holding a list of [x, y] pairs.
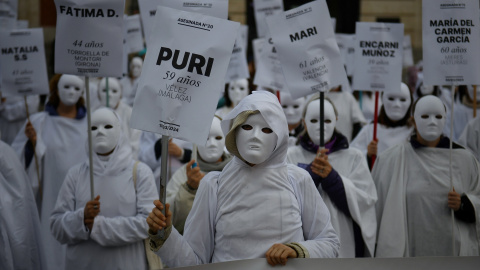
{"points": [[106, 86], [163, 178], [40, 192], [375, 123], [194, 155], [474, 101], [322, 122], [89, 131], [451, 170]]}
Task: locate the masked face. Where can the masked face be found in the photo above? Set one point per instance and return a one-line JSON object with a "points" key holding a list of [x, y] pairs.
{"points": [[312, 121], [396, 104], [213, 150], [255, 139], [70, 89], [105, 131], [114, 92], [429, 117], [136, 67], [426, 89], [292, 108], [470, 90], [237, 90]]}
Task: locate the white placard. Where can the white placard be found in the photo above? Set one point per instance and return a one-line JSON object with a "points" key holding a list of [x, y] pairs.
{"points": [[269, 71], [183, 73], [451, 40], [350, 58], [148, 8], [244, 36], [8, 14], [378, 57], [22, 24], [334, 24], [307, 49], [407, 51], [238, 67], [257, 45], [133, 33], [22, 63], [89, 37], [263, 9], [346, 46]]}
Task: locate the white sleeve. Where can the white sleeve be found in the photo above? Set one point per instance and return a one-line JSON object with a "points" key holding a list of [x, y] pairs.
{"points": [[66, 222], [357, 114], [16, 110], [147, 150], [123, 230], [361, 141], [174, 185]]}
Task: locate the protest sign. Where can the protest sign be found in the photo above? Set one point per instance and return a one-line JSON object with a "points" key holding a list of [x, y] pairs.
{"points": [[257, 45], [263, 9], [8, 14], [244, 36], [269, 71], [89, 37], [450, 42], [132, 33], [22, 24], [184, 68], [307, 49], [407, 51], [22, 63], [378, 56], [238, 67]]}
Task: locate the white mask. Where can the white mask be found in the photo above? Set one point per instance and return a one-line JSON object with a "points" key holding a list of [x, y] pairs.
{"points": [[312, 121], [237, 90], [70, 89], [105, 130], [470, 92], [396, 104], [292, 108], [429, 117], [255, 139], [136, 67], [114, 92], [213, 150], [426, 89]]}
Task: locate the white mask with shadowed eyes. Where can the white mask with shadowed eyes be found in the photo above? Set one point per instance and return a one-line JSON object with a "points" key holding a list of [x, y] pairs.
{"points": [[237, 90], [136, 67], [255, 139], [312, 121], [213, 150], [426, 89], [105, 130], [470, 92], [114, 92], [430, 117], [396, 104], [70, 89], [292, 108]]}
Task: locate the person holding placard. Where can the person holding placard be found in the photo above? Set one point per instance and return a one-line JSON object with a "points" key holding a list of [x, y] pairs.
{"points": [[236, 91], [393, 124], [124, 111], [470, 137], [293, 111], [183, 185], [13, 115], [416, 194], [130, 83], [53, 135], [257, 206], [106, 232], [342, 178], [463, 110]]}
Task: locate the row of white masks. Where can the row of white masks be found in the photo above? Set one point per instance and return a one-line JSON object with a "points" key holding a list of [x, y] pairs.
{"points": [[213, 149], [396, 103], [430, 117], [312, 121]]}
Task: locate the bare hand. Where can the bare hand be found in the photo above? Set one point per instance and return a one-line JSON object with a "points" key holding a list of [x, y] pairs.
{"points": [[320, 165], [454, 200], [156, 220], [173, 149], [194, 175], [279, 253], [92, 208], [31, 133], [372, 148]]}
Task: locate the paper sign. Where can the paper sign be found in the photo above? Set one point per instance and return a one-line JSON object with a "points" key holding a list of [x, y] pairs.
{"points": [[244, 36], [89, 37], [345, 44], [133, 33], [307, 49], [8, 14], [269, 73], [148, 8], [451, 39], [183, 70], [22, 63], [263, 9], [378, 57], [350, 57], [407, 51], [257, 45], [22, 24], [334, 23], [238, 67]]}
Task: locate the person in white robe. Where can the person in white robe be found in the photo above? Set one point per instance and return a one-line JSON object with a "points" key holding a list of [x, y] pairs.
{"points": [[293, 110], [462, 111], [54, 135], [130, 82], [351, 118], [367, 104], [106, 232], [342, 177], [470, 137], [13, 115], [415, 194], [20, 237], [183, 186], [123, 110], [236, 91], [393, 125], [258, 206]]}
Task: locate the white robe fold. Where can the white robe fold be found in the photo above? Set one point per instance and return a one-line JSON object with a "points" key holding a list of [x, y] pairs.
{"points": [[13, 115], [349, 112], [470, 137]]}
